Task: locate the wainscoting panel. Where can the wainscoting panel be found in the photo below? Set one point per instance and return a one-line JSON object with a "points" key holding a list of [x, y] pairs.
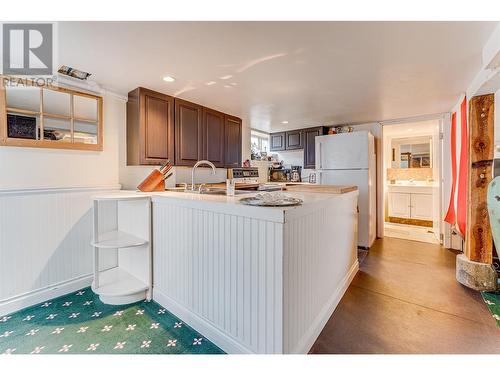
{"points": [[222, 274], [45, 240], [317, 269]]}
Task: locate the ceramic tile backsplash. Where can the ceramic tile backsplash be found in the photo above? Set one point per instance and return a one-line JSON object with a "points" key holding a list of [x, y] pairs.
{"points": [[404, 174]]}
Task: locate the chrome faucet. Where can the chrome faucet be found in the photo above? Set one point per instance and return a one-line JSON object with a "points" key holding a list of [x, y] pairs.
{"points": [[198, 163]]}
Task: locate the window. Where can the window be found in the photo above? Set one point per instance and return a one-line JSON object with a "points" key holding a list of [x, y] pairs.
{"points": [[49, 116], [259, 142]]}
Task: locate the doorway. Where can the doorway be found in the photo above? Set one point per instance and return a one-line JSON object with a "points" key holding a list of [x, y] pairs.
{"points": [[411, 180]]}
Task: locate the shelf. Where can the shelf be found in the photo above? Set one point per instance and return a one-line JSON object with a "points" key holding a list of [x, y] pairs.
{"points": [[117, 286], [116, 239]]}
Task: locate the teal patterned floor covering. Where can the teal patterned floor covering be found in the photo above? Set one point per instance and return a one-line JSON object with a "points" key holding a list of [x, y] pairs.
{"points": [[80, 323], [492, 300]]}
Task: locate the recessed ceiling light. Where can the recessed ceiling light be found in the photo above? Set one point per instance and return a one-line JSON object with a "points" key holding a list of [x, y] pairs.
{"points": [[410, 130], [228, 86], [233, 83], [169, 79], [226, 77], [284, 122], [210, 83]]}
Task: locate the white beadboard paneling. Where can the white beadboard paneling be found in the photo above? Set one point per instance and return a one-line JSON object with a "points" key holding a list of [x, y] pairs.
{"points": [[319, 261], [45, 240], [253, 285], [220, 267]]}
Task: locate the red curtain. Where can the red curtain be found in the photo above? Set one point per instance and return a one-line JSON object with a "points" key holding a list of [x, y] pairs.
{"points": [[462, 177], [451, 217]]}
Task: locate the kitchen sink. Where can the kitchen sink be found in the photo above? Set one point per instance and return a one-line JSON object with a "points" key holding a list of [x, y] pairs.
{"points": [[209, 191]]}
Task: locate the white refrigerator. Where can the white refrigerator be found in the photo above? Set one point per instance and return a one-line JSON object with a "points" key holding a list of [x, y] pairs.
{"points": [[349, 159]]}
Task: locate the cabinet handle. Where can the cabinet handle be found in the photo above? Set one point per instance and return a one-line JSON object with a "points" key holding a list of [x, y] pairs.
{"points": [[320, 157]]}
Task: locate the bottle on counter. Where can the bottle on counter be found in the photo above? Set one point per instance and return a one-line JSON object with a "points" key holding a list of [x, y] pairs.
{"points": [[230, 187]]}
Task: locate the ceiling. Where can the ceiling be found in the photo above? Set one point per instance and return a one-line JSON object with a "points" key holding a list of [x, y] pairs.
{"points": [[306, 73]]}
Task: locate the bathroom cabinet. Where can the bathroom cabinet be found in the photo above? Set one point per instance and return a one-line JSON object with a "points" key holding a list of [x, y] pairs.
{"points": [[415, 202]]}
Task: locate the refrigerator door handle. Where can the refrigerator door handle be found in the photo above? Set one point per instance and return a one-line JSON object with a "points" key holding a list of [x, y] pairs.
{"points": [[320, 157], [318, 181]]}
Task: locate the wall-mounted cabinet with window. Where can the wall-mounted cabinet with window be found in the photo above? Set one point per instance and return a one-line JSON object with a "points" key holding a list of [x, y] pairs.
{"points": [[178, 130], [49, 117]]}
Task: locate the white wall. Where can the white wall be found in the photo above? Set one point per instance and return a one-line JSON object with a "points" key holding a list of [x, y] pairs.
{"points": [[46, 214], [291, 157]]}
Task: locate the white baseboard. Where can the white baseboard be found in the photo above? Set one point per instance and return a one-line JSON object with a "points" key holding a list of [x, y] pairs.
{"points": [[207, 329], [309, 338], [29, 299]]}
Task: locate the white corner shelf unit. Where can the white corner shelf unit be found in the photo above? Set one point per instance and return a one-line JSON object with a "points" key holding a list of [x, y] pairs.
{"points": [[122, 224]]}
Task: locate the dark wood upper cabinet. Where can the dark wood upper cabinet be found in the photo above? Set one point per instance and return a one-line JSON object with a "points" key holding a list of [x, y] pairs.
{"points": [[150, 127], [277, 141], [310, 145], [293, 140], [233, 134], [213, 133], [290, 140], [188, 132], [161, 128]]}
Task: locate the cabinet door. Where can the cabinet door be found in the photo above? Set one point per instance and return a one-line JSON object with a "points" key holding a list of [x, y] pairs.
{"points": [[233, 141], [310, 146], [158, 144], [213, 142], [150, 127], [277, 142], [294, 140], [188, 132], [399, 205], [421, 206]]}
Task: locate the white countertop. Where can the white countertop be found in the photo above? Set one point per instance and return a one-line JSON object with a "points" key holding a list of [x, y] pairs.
{"points": [[232, 204], [412, 188], [307, 198]]}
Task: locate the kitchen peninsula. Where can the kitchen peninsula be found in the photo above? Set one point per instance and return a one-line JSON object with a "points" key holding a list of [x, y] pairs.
{"points": [[250, 279], [254, 279]]}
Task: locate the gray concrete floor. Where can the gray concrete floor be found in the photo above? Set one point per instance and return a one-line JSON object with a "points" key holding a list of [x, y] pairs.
{"points": [[405, 299]]}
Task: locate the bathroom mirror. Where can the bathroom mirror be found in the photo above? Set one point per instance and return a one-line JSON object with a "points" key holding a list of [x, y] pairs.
{"points": [[412, 152]]}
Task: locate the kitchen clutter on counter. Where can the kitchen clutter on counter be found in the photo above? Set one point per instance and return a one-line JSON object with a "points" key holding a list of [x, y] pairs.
{"points": [[271, 199]]}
